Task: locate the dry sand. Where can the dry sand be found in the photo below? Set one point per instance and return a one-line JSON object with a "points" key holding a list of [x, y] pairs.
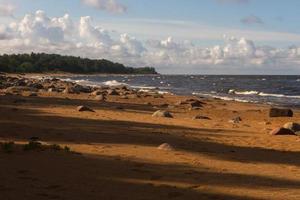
{"points": [[117, 156]]}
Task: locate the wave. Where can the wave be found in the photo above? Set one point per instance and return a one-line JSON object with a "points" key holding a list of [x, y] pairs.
{"points": [[114, 83], [225, 98], [278, 95], [251, 92], [262, 94]]}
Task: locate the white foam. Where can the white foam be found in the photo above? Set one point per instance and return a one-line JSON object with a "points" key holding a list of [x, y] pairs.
{"points": [[251, 92], [278, 95], [114, 83]]}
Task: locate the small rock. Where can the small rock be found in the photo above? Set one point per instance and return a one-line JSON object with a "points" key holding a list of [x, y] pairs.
{"points": [[68, 90], [292, 126], [124, 97], [112, 92], [282, 131], [96, 93], [100, 97], [84, 109], [201, 117], [33, 95], [280, 112], [235, 120], [166, 147], [161, 113]]}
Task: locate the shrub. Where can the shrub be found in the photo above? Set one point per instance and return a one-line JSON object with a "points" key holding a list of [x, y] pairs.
{"points": [[32, 145], [8, 147]]}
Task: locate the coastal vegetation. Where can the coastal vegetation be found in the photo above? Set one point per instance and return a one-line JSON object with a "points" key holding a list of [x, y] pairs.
{"points": [[41, 62]]}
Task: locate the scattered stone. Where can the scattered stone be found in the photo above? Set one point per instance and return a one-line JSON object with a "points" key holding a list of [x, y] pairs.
{"points": [[68, 90], [119, 108], [165, 105], [100, 97], [124, 97], [201, 117], [161, 113], [96, 93], [292, 126], [166, 147], [235, 120], [282, 131], [280, 112], [196, 103], [84, 109], [20, 89], [33, 94], [112, 92]]}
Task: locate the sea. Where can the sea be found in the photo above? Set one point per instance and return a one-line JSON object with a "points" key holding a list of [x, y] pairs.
{"points": [[274, 90]]}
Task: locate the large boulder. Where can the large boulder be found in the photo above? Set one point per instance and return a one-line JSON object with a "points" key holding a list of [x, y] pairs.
{"points": [[280, 112], [282, 131], [292, 126], [161, 113]]}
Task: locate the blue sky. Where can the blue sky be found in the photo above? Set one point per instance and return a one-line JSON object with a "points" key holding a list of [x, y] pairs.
{"points": [[276, 15], [251, 36]]}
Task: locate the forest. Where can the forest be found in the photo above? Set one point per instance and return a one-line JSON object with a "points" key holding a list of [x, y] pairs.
{"points": [[41, 62]]}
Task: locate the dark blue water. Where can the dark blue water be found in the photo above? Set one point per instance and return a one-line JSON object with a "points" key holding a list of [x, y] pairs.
{"points": [[279, 90]]}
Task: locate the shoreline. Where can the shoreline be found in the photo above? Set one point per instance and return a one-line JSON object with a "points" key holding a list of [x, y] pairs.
{"points": [[223, 97]]}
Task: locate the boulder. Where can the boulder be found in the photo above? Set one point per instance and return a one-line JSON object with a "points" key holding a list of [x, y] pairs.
{"points": [[84, 109], [161, 113], [166, 147], [292, 126], [196, 103], [280, 112], [82, 88], [282, 131], [201, 117]]}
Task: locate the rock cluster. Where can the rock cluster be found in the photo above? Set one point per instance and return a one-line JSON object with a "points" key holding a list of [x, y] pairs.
{"points": [[18, 85]]}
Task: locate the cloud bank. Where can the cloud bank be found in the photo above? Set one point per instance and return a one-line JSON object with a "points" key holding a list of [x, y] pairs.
{"points": [[39, 33]]}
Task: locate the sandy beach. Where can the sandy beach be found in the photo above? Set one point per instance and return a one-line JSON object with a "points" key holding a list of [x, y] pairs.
{"points": [[112, 153]]}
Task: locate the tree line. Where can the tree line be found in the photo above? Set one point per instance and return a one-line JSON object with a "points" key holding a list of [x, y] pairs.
{"points": [[41, 62]]}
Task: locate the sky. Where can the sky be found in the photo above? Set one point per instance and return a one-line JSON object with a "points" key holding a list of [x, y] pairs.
{"points": [[174, 36]]}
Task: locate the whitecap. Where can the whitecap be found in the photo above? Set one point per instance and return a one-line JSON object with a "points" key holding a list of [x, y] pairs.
{"points": [[278, 95], [114, 83]]}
